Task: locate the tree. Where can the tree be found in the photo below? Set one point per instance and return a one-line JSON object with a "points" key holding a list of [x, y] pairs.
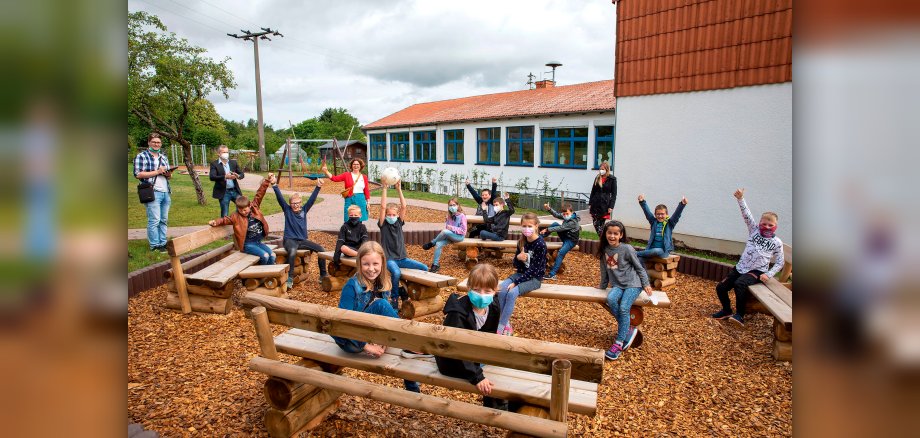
{"points": [[167, 77]]}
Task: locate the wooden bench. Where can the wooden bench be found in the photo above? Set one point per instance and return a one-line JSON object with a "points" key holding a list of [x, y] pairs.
{"points": [[469, 250], [303, 258], [268, 280], [662, 272], [594, 295], [775, 298], [424, 287], [550, 379]]}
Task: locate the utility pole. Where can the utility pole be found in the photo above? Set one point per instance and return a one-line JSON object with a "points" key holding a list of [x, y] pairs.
{"points": [[255, 37]]}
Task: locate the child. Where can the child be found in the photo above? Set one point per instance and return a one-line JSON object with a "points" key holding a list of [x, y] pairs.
{"points": [[621, 270], [295, 228], [484, 206], [660, 243], [498, 224], [754, 266], [530, 263], [351, 236], [393, 242], [454, 229], [475, 311], [367, 292], [568, 233], [249, 226]]}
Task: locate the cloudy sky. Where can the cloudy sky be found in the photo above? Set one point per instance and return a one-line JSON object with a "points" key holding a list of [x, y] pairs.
{"points": [[375, 57]]}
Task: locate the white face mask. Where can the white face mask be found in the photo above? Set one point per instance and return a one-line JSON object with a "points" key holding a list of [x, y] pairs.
{"points": [[602, 172], [225, 156]]}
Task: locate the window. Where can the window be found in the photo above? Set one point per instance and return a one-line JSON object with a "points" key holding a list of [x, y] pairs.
{"points": [[399, 146], [603, 142], [565, 147], [520, 146], [378, 147], [424, 142], [453, 146], [488, 149]]}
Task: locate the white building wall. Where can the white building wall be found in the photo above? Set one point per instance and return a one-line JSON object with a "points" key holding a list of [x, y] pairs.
{"points": [[577, 180], [704, 145]]}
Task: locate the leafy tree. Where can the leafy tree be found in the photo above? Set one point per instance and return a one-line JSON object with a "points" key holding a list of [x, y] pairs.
{"points": [[209, 137], [167, 77]]}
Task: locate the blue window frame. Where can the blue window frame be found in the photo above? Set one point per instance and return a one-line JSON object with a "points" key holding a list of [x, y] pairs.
{"points": [[564, 147], [520, 146], [453, 146], [378, 147], [399, 146], [425, 151], [603, 146], [488, 146]]}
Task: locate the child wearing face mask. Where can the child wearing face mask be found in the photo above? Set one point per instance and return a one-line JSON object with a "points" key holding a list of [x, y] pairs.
{"points": [[476, 311], [754, 265], [568, 233], [296, 235], [394, 244], [626, 277], [660, 243], [368, 292], [352, 235], [249, 225], [498, 223], [530, 265], [454, 230]]}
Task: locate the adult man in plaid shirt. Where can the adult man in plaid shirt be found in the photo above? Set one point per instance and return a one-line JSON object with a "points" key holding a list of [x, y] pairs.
{"points": [[152, 166]]}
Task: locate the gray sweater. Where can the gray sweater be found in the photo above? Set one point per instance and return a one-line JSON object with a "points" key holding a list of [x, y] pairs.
{"points": [[621, 268]]}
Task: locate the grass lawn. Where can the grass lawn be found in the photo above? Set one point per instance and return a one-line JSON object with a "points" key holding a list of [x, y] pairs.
{"points": [[185, 210], [139, 255]]}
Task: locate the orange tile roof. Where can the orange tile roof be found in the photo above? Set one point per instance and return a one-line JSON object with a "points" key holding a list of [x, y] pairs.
{"points": [[672, 46], [566, 99]]}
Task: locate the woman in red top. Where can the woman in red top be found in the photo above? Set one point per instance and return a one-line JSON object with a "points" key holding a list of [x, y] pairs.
{"points": [[603, 198], [356, 182]]}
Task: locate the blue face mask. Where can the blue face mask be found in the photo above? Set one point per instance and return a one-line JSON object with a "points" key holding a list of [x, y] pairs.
{"points": [[567, 216], [478, 300], [452, 208], [391, 219]]}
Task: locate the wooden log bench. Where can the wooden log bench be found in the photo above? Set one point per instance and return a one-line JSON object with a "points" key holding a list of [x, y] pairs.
{"points": [[470, 249], [662, 272], [303, 259], [774, 298], [594, 295], [424, 287], [266, 279], [549, 379]]}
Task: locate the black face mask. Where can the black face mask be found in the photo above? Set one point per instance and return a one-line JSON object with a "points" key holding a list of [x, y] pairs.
{"points": [[354, 220]]}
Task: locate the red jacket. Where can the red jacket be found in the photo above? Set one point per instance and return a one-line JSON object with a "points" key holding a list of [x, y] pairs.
{"points": [[241, 223], [349, 182]]}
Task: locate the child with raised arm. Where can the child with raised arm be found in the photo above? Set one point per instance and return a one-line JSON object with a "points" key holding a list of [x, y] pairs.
{"points": [[660, 243], [530, 265], [368, 292], [352, 235], [568, 232], [394, 244], [754, 265], [454, 229], [296, 235], [626, 277], [249, 225], [484, 206], [498, 224], [478, 311]]}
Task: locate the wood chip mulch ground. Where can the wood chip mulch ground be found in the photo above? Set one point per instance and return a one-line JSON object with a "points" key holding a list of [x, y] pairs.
{"points": [[188, 374]]}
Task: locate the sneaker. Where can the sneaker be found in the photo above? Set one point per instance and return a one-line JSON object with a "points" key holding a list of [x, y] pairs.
{"points": [[722, 314], [290, 282], [614, 352], [737, 319], [433, 269], [427, 246], [158, 249], [507, 330], [409, 354], [550, 276], [630, 336]]}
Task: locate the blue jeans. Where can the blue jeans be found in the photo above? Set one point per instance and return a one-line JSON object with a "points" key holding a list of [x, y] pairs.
{"points": [[266, 256], [442, 239], [488, 235], [229, 196], [507, 298], [619, 301], [567, 246], [395, 273], [377, 307], [651, 252], [157, 217]]}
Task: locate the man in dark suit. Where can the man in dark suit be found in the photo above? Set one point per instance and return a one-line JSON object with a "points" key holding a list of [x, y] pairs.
{"points": [[225, 173]]}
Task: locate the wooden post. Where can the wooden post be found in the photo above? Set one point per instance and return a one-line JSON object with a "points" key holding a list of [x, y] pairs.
{"points": [[559, 398], [251, 283], [180, 284], [415, 309], [286, 423], [264, 333]]}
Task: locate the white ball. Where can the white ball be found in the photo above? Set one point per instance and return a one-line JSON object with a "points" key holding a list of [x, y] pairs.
{"points": [[389, 176]]}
